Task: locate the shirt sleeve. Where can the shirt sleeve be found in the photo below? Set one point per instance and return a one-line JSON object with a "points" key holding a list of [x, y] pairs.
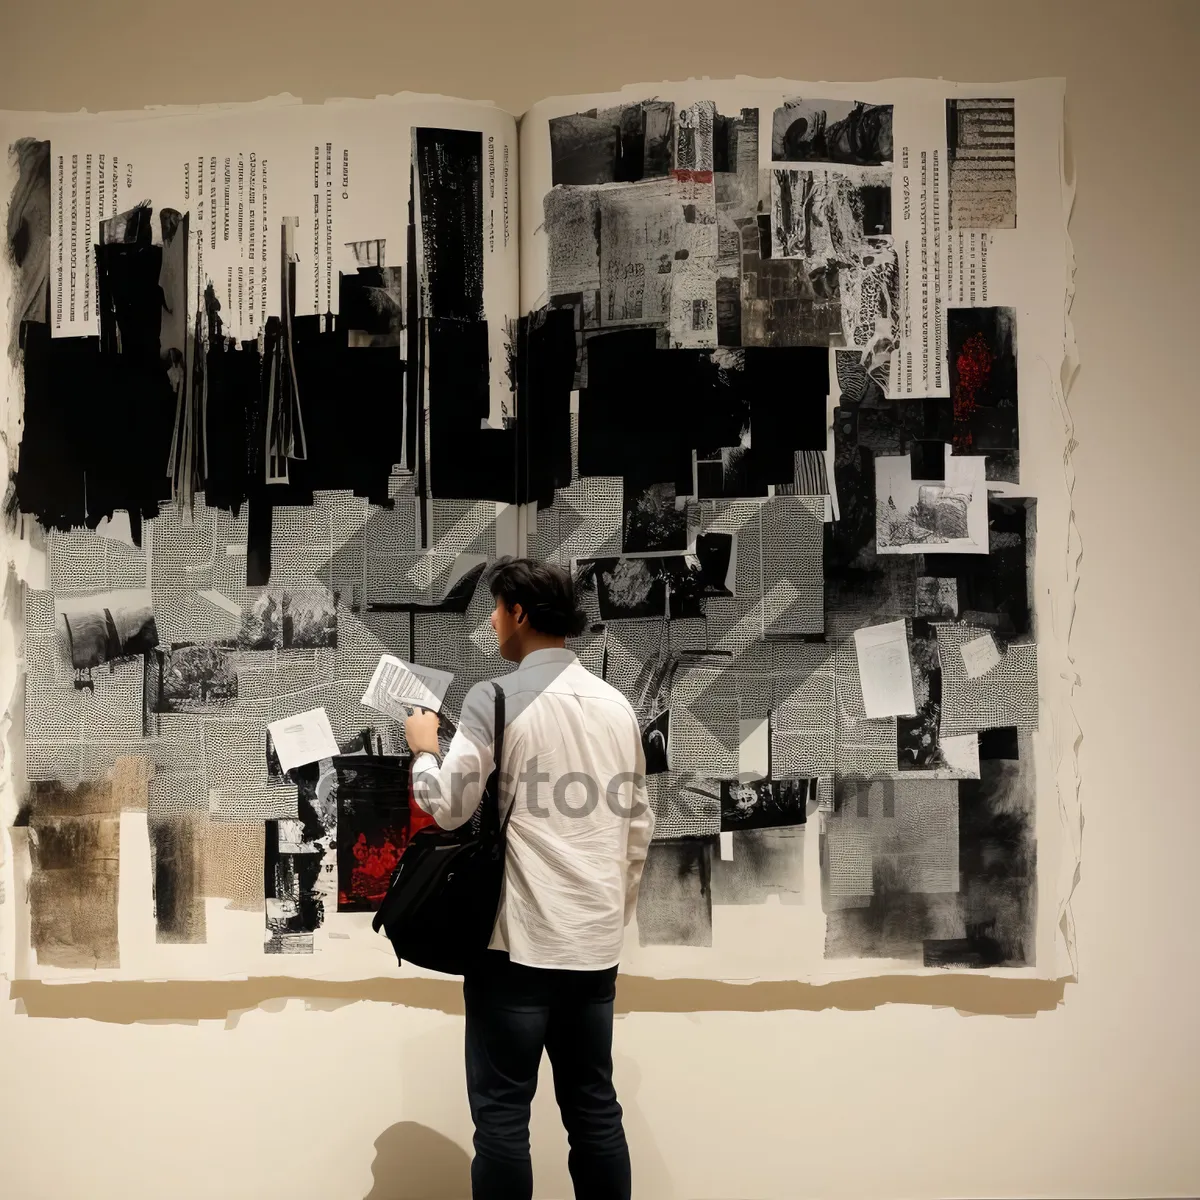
{"points": [[450, 791], [641, 826]]}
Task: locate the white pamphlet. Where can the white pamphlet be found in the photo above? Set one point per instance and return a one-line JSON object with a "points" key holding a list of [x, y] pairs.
{"points": [[398, 686], [884, 670]]}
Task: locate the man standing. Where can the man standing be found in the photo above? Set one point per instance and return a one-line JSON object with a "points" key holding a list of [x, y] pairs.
{"points": [[573, 773]]}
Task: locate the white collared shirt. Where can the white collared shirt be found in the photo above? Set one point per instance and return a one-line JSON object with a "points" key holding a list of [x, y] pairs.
{"points": [[574, 770]]}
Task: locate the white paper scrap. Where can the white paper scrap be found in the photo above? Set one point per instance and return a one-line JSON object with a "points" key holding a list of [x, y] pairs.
{"points": [[961, 752], [884, 670], [116, 528], [727, 846], [754, 752], [304, 738], [979, 656], [398, 686], [218, 600]]}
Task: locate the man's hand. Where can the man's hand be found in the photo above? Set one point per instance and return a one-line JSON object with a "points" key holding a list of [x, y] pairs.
{"points": [[421, 730]]}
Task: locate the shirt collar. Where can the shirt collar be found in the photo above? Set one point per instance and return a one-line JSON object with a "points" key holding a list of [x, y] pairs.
{"points": [[537, 658]]}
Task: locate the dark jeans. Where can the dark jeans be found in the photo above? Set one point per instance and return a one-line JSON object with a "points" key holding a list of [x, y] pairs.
{"points": [[512, 1013]]}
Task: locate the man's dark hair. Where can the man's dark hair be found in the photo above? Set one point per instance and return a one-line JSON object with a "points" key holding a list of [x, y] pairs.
{"points": [[545, 593]]}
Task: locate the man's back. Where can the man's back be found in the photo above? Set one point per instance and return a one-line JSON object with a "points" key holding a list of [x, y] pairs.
{"points": [[573, 772], [572, 752]]}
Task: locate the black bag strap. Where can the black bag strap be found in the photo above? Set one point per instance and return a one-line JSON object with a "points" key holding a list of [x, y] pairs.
{"points": [[492, 787]]}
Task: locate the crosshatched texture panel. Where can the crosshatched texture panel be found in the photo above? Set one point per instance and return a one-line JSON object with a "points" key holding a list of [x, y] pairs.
{"points": [[683, 805], [634, 650], [464, 527], [894, 834], [233, 863], [1005, 695], [792, 568], [182, 551]]}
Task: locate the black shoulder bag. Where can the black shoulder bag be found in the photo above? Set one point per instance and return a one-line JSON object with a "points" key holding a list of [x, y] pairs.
{"points": [[442, 901]]}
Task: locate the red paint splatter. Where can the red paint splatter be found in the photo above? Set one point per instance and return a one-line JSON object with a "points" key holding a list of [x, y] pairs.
{"points": [[974, 369], [376, 855]]}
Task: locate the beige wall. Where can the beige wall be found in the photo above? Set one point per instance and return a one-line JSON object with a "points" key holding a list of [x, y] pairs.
{"points": [[1098, 1096]]}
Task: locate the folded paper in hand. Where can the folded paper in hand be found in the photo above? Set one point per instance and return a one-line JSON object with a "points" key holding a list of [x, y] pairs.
{"points": [[398, 686]]}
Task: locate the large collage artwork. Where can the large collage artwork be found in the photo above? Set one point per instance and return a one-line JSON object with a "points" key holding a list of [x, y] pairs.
{"points": [[776, 371]]}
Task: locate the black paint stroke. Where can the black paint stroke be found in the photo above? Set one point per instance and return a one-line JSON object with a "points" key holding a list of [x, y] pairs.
{"points": [[675, 899], [645, 411], [99, 411], [28, 236], [450, 178], [994, 589], [544, 366], [175, 851], [623, 144]]}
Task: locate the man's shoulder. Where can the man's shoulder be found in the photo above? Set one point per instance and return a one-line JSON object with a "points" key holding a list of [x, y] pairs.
{"points": [[592, 687], [575, 680]]}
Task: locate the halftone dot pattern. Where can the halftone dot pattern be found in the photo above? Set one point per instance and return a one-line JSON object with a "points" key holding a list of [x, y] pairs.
{"points": [[792, 567], [825, 793], [111, 710], [705, 738], [179, 782], [583, 522], [742, 519], [438, 639], [48, 761], [192, 618], [908, 829], [411, 578], [53, 713], [635, 650], [77, 563], [346, 571], [464, 526], [401, 485], [688, 634], [302, 543], [364, 633], [182, 550], [98, 760], [754, 694], [803, 720], [391, 530], [232, 863], [683, 806], [1005, 695], [734, 623], [589, 649], [236, 772]]}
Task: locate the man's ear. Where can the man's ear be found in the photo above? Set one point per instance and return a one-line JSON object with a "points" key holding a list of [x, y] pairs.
{"points": [[518, 612]]}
